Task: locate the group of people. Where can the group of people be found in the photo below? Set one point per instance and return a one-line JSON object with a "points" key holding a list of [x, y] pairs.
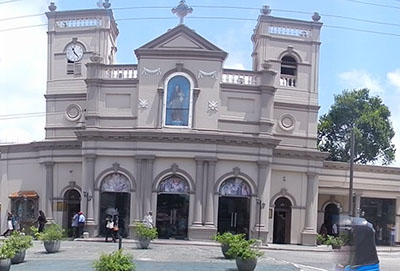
{"points": [[78, 224], [13, 223]]}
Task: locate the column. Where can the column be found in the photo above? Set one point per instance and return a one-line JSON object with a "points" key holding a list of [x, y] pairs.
{"points": [[88, 187], [263, 193], [198, 209], [49, 189], [209, 217], [357, 205], [309, 233], [139, 191], [148, 183], [397, 217]]}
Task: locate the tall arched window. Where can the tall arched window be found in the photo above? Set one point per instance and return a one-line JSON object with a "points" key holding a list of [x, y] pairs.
{"points": [[288, 71], [178, 102]]}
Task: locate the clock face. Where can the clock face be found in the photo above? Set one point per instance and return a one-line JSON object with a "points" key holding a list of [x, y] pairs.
{"points": [[74, 52]]}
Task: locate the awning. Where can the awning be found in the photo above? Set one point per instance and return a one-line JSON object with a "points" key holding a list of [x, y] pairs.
{"points": [[30, 194]]}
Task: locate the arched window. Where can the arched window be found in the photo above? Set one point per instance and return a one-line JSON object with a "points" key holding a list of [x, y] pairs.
{"points": [[234, 187], [178, 102], [288, 71], [173, 184], [115, 182]]}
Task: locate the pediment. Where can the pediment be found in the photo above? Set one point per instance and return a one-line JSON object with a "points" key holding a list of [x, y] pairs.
{"points": [[180, 39]]}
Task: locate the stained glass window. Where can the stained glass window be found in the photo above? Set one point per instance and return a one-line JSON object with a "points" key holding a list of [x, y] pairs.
{"points": [[115, 182], [173, 184], [234, 187]]}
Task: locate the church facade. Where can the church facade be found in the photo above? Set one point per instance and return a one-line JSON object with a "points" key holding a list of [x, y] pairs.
{"points": [[206, 149]]}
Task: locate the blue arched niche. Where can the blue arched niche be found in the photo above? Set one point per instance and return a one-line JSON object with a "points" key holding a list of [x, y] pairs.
{"points": [[178, 102]]}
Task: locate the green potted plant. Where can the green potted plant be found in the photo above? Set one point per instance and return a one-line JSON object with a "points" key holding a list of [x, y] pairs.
{"points": [[335, 242], [20, 242], [225, 239], [145, 234], [6, 253], [115, 261], [51, 237], [246, 254]]}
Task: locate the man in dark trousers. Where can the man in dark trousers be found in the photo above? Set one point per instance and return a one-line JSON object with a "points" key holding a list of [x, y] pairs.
{"points": [[81, 224]]}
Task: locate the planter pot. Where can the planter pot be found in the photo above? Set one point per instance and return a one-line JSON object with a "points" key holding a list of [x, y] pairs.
{"points": [[224, 249], [52, 246], [246, 265], [19, 257], [143, 242], [5, 264]]}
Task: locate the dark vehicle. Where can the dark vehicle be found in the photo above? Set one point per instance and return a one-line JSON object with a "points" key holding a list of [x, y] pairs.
{"points": [[363, 255]]}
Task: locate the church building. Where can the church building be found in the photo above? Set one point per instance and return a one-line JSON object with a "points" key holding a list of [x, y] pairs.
{"points": [[205, 148]]}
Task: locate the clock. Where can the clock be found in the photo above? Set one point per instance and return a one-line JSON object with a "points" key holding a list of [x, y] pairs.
{"points": [[74, 52]]}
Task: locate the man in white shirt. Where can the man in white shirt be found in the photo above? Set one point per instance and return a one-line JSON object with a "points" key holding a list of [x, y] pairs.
{"points": [[81, 223], [148, 220]]}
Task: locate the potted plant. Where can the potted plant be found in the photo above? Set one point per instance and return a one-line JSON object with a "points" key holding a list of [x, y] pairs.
{"points": [[246, 254], [6, 253], [115, 261], [20, 242], [145, 234], [225, 239], [51, 237], [335, 242]]}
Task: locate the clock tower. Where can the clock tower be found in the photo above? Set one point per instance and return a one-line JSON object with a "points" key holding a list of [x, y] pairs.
{"points": [[74, 39]]}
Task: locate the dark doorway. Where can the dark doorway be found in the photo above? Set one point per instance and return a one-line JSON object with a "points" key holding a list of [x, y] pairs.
{"points": [[172, 216], [234, 215], [331, 217], [282, 221], [121, 203], [72, 203]]}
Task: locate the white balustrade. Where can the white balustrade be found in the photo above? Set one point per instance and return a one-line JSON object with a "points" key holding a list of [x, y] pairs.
{"points": [[79, 22], [288, 81], [120, 72], [239, 77], [289, 31]]}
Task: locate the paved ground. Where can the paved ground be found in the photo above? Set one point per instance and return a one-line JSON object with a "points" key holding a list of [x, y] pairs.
{"points": [[168, 255]]}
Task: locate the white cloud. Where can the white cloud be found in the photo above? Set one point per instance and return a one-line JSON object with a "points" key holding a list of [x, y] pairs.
{"points": [[356, 79], [394, 78], [23, 70]]}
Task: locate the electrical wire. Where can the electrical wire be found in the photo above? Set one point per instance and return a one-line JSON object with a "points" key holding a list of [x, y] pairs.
{"points": [[373, 4], [20, 17], [10, 1]]}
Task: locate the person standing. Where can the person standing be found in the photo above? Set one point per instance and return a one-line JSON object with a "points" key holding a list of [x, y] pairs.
{"points": [[110, 228], [10, 224], [41, 221], [81, 224], [74, 225], [148, 220]]}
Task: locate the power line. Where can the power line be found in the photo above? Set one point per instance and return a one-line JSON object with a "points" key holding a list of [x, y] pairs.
{"points": [[10, 1], [23, 16], [373, 4], [363, 30]]}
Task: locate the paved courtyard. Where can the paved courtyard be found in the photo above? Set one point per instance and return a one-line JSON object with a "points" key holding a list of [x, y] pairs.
{"points": [[80, 255]]}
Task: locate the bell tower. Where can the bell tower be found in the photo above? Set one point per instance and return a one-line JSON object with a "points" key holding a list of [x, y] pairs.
{"points": [[74, 39]]}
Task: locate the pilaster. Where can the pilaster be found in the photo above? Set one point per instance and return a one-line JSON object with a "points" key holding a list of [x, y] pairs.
{"points": [[310, 226], [49, 165]]}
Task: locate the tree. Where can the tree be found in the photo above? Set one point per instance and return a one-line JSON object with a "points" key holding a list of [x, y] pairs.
{"points": [[372, 127]]}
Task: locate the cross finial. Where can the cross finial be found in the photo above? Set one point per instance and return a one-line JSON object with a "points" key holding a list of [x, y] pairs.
{"points": [[182, 10]]}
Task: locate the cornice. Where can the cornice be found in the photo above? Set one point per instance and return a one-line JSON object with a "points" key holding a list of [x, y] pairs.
{"points": [[180, 53], [285, 105], [361, 168], [42, 146], [295, 153]]}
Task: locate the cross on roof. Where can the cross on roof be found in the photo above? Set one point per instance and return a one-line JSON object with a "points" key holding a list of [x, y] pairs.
{"points": [[182, 10]]}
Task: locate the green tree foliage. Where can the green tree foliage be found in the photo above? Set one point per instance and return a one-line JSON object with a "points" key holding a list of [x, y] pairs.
{"points": [[373, 129]]}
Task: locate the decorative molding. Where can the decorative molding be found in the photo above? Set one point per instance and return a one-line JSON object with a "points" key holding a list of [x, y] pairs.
{"points": [[115, 167], [143, 103], [174, 168], [202, 74], [287, 122], [212, 106], [73, 112], [147, 71], [283, 193], [236, 171]]}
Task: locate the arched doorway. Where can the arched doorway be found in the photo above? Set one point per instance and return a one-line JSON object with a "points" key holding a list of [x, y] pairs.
{"points": [[331, 217], [172, 208], [72, 205], [115, 200], [234, 206], [282, 221]]}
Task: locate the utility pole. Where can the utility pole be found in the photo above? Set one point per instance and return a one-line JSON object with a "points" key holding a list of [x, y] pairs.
{"points": [[351, 209]]}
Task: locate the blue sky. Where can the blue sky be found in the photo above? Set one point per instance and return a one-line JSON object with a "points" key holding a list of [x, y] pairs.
{"points": [[349, 59]]}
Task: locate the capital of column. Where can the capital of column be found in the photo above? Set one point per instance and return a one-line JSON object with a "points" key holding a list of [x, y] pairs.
{"points": [[90, 156], [145, 157], [206, 158]]}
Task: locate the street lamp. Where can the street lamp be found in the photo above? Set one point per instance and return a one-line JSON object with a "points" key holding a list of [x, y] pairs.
{"points": [[261, 206]]}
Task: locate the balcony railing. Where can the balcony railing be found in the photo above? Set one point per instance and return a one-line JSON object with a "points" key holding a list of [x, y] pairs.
{"points": [[287, 81], [79, 22], [289, 31], [120, 72], [240, 77]]}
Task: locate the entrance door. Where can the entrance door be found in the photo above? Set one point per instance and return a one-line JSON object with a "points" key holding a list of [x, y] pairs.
{"points": [[234, 215], [115, 203], [72, 200], [172, 215], [282, 221]]}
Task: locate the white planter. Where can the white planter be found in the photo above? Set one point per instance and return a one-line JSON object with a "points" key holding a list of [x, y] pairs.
{"points": [[246, 265], [19, 257], [5, 264], [52, 246]]}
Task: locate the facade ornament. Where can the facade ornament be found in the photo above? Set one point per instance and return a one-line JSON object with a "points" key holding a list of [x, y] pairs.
{"points": [[106, 4], [52, 7], [174, 168], [143, 103], [182, 10], [236, 171], [316, 17], [284, 191], [202, 74], [115, 167], [146, 71], [266, 10], [212, 106], [96, 58], [72, 184]]}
